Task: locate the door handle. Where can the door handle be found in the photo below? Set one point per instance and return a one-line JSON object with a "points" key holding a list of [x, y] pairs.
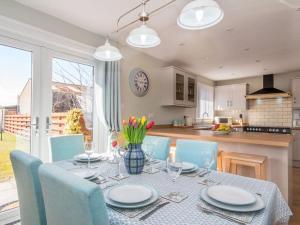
{"points": [[36, 126], [48, 125]]}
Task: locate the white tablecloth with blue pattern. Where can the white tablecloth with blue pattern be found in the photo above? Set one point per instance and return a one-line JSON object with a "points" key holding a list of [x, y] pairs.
{"points": [[186, 212]]}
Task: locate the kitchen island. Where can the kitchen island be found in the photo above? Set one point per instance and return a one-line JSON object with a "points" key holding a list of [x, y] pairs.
{"points": [[277, 147]]}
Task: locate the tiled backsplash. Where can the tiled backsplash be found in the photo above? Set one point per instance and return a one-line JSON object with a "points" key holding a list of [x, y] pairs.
{"points": [[270, 112]]}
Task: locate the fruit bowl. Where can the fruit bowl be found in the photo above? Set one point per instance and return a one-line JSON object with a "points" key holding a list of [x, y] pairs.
{"points": [[221, 132]]}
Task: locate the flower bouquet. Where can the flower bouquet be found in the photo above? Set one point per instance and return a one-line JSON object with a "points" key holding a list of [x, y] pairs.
{"points": [[134, 131]]}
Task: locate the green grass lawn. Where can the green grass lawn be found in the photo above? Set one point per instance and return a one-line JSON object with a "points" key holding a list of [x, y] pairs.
{"points": [[9, 142]]}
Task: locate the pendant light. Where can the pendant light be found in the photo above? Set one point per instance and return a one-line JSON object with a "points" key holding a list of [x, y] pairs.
{"points": [[143, 36], [200, 14], [107, 52]]}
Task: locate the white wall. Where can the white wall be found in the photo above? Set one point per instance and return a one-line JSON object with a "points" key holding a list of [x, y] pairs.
{"points": [[131, 105]]}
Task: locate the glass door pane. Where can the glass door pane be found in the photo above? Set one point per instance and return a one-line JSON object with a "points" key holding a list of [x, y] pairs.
{"points": [[72, 98], [15, 116], [179, 87], [191, 90]]}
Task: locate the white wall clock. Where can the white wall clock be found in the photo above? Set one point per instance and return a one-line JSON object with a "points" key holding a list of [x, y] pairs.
{"points": [[139, 82]]}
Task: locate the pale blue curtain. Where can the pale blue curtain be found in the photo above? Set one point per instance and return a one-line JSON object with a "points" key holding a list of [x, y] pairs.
{"points": [[107, 102], [112, 102]]}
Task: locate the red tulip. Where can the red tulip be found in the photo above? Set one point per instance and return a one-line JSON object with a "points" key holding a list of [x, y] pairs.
{"points": [[114, 144], [150, 124]]}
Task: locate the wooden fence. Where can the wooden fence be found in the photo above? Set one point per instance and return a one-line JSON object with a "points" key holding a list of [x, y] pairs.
{"points": [[20, 124]]}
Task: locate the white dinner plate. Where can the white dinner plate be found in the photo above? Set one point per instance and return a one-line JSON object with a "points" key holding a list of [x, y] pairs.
{"points": [[129, 193], [185, 166], [84, 157], [230, 195], [258, 205], [191, 170], [86, 174], [153, 199]]}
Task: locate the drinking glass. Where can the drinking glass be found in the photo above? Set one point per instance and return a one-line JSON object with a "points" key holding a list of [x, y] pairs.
{"points": [[89, 150], [149, 153], [120, 152], [174, 169], [209, 162]]}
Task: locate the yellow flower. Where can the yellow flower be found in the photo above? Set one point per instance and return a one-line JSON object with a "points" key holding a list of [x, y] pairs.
{"points": [[143, 120]]}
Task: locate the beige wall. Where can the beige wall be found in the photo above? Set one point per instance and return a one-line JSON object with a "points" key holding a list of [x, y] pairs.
{"points": [[131, 105]]}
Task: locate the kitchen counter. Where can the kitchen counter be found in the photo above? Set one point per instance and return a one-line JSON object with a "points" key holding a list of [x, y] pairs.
{"points": [[275, 140], [276, 147]]}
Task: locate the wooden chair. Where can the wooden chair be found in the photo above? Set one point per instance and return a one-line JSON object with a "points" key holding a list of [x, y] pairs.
{"points": [[232, 159]]}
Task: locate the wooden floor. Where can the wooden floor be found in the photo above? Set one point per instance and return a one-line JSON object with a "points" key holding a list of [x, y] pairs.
{"points": [[296, 195]]}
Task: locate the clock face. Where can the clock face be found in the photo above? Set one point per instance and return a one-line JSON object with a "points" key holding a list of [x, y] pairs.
{"points": [[139, 82]]}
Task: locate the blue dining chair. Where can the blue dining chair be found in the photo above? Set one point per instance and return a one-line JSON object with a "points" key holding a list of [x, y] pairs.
{"points": [[197, 152], [66, 146], [25, 167], [159, 145], [70, 199]]}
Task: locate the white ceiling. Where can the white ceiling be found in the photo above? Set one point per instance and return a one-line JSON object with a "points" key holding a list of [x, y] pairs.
{"points": [[255, 37]]}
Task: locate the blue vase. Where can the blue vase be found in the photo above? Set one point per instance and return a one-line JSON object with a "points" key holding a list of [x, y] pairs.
{"points": [[134, 159]]}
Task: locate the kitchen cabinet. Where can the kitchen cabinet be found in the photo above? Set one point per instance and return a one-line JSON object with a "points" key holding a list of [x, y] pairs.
{"points": [[178, 88], [296, 92], [296, 148], [231, 97]]}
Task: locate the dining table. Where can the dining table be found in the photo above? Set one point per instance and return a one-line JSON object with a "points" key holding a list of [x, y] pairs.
{"points": [[188, 211]]}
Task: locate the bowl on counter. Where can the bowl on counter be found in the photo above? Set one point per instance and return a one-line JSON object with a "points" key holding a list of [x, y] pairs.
{"points": [[221, 132]]}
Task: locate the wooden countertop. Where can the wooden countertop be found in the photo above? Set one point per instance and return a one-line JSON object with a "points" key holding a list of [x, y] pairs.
{"points": [[276, 140]]}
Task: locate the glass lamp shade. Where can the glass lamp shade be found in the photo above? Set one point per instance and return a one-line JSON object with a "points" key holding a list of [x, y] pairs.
{"points": [[107, 52], [143, 37], [200, 14]]}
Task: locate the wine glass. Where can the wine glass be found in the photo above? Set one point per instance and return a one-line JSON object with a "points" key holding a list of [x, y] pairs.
{"points": [[208, 163], [120, 152], [174, 169], [149, 153], [89, 150]]}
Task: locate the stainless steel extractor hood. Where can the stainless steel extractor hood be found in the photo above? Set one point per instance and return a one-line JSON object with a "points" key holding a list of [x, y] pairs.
{"points": [[268, 90]]}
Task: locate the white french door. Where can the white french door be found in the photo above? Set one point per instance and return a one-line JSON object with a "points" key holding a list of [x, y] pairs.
{"points": [[68, 86], [38, 88]]}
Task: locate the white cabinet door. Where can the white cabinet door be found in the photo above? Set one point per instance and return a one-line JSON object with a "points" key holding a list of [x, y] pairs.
{"points": [[238, 100], [296, 147], [296, 92], [221, 98]]}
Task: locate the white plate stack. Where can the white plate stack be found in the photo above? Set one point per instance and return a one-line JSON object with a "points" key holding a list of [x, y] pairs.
{"points": [[84, 157], [232, 198], [188, 167], [130, 196]]}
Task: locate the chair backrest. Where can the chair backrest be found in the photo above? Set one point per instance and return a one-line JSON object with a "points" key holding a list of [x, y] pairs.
{"points": [[197, 152], [25, 169], [159, 145], [66, 147], [70, 199]]}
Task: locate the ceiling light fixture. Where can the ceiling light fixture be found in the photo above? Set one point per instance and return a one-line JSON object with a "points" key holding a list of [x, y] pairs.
{"points": [[143, 36], [200, 14], [107, 52]]}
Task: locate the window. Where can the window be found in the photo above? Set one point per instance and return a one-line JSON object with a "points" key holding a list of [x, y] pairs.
{"points": [[205, 101]]}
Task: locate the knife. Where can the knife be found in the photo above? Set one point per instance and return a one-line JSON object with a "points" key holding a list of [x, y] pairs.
{"points": [[147, 215]]}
